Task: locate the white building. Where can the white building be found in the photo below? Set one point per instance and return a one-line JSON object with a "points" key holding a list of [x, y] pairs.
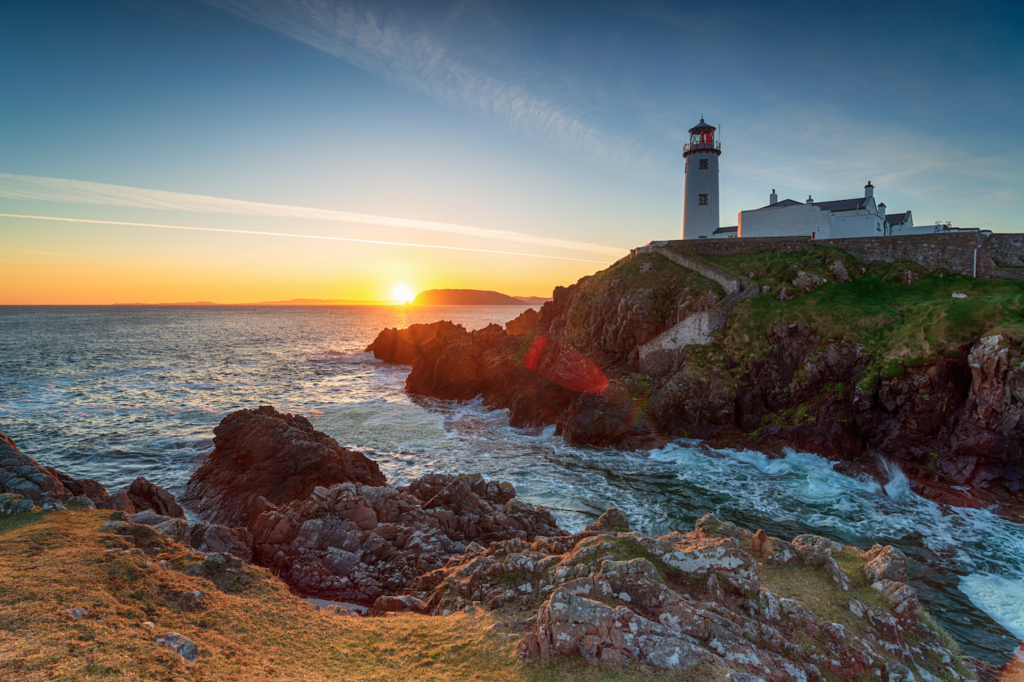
{"points": [[860, 217], [700, 188]]}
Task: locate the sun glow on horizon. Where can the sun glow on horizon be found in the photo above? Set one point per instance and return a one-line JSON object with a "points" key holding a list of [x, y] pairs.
{"points": [[402, 293]]}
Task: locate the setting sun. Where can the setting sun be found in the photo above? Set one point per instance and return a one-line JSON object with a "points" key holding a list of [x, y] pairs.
{"points": [[401, 293]]}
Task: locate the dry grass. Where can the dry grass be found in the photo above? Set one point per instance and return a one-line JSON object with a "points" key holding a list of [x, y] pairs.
{"points": [[50, 563]]}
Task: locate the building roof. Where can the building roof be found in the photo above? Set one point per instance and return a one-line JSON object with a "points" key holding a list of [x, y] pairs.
{"points": [[701, 126], [784, 202], [896, 218], [842, 204], [727, 230]]}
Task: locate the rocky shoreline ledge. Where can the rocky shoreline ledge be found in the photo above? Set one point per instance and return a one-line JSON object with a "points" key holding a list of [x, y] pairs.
{"points": [[324, 520], [868, 364]]}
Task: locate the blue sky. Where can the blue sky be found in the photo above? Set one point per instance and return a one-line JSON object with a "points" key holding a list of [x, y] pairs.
{"points": [[548, 129]]}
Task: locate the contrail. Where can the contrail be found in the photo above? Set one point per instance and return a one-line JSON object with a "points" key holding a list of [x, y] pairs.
{"points": [[84, 192], [299, 236]]}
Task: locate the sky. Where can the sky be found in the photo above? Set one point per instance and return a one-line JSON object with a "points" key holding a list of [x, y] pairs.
{"points": [[254, 150]]}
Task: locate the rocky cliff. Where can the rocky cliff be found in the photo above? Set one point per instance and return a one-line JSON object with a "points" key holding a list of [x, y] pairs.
{"points": [[848, 360]]}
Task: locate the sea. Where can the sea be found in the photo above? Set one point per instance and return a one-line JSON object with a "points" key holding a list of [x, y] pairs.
{"points": [[116, 392]]}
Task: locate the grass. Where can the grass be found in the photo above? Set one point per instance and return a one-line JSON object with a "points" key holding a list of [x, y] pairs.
{"points": [[52, 562], [899, 326]]}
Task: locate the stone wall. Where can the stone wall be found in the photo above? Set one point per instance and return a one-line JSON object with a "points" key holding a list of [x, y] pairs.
{"points": [[955, 252]]}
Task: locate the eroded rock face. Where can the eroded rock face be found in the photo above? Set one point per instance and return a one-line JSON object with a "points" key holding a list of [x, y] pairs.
{"points": [[23, 475], [266, 454], [355, 543], [615, 597]]}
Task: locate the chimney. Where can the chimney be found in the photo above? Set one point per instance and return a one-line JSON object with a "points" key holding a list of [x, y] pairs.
{"points": [[881, 210], [809, 199], [869, 190], [773, 198]]}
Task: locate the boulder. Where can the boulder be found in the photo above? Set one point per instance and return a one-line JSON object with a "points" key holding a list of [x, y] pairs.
{"points": [[22, 475], [119, 501], [184, 647], [266, 454], [886, 563], [611, 520], [839, 273], [807, 281], [146, 495]]}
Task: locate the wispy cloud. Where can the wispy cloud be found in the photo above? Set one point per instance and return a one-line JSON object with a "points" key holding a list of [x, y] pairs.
{"points": [[81, 192], [264, 233], [421, 62]]}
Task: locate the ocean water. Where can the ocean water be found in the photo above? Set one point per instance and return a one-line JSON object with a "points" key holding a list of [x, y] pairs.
{"points": [[112, 393]]}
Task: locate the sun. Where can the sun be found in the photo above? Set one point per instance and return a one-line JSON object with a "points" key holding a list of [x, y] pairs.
{"points": [[401, 293]]}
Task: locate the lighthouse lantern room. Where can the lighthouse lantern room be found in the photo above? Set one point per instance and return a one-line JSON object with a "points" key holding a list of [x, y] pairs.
{"points": [[700, 187]]}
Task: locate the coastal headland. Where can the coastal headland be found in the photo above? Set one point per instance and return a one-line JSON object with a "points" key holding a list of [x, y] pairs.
{"points": [[796, 345]]}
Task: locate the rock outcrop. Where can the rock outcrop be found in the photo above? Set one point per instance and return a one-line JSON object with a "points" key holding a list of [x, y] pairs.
{"points": [[263, 453], [22, 475], [403, 346], [616, 597], [323, 517], [354, 543]]}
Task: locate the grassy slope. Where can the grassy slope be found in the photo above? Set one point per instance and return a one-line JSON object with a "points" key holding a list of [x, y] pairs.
{"points": [[895, 323], [52, 562]]}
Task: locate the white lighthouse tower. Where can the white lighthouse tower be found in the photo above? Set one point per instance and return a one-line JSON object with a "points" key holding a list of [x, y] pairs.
{"points": [[700, 188]]}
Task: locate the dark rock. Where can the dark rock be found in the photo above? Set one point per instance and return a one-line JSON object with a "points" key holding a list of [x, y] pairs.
{"points": [[22, 475], [146, 495], [403, 346], [266, 454], [119, 501], [80, 502]]}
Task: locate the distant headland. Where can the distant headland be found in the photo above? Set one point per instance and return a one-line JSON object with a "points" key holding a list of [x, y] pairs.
{"points": [[472, 297]]}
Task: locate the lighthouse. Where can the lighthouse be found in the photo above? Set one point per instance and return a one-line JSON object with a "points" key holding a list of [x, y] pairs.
{"points": [[700, 186]]}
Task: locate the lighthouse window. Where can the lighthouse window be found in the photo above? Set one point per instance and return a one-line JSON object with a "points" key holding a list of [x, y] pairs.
{"points": [[703, 164], [702, 199]]}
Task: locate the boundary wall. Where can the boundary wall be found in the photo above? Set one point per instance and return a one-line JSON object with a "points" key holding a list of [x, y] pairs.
{"points": [[958, 253]]}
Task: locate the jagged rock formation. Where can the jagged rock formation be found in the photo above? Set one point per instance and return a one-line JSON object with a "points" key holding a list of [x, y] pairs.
{"points": [[355, 543], [279, 457], [326, 521], [618, 597]]}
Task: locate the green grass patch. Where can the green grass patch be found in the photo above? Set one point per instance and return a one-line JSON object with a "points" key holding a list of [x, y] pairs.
{"points": [[900, 326]]}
